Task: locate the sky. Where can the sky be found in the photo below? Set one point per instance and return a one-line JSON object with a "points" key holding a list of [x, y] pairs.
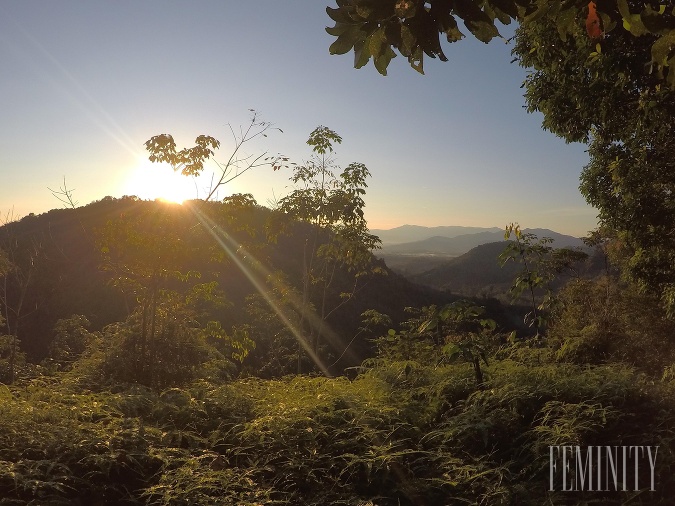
{"points": [[84, 84]]}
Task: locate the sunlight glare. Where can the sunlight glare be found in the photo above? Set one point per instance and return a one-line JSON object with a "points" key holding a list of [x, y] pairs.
{"points": [[152, 181]]}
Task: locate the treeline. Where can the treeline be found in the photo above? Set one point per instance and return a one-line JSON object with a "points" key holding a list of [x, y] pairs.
{"points": [[109, 261]]}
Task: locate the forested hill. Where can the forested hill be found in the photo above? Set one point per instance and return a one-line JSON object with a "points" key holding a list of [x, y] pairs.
{"points": [[64, 266], [479, 272], [190, 386]]}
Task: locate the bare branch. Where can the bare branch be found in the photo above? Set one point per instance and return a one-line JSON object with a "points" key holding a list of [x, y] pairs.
{"points": [[65, 195]]}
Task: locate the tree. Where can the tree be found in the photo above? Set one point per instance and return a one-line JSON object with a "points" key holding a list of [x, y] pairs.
{"points": [[603, 320], [149, 253], [541, 265], [190, 161], [20, 258], [620, 107], [72, 338], [338, 237], [378, 29], [465, 332]]}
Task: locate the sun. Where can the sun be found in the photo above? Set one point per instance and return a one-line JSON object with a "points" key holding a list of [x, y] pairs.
{"points": [[152, 181]]}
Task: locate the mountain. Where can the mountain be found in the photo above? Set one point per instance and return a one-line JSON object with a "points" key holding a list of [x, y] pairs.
{"points": [[459, 244], [58, 257], [412, 258], [412, 233], [441, 245], [472, 273], [478, 273]]}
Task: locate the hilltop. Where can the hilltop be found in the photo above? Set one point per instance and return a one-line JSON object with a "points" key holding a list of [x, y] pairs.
{"points": [[63, 251]]}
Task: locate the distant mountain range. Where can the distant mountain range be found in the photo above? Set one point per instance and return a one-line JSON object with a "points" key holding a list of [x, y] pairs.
{"points": [[455, 241], [412, 233], [460, 259]]}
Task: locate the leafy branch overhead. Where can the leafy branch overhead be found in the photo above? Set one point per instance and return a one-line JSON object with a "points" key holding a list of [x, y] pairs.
{"points": [[190, 161], [379, 29]]}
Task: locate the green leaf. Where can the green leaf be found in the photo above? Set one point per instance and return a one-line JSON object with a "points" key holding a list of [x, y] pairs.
{"points": [[416, 60], [408, 41], [451, 350], [508, 7], [565, 23], [428, 325], [346, 41], [653, 20], [662, 47], [542, 9], [631, 22], [361, 55], [476, 20], [375, 42], [339, 15], [488, 323], [382, 61]]}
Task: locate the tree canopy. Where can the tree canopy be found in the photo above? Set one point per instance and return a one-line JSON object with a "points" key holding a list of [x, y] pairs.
{"points": [[379, 29], [601, 93]]}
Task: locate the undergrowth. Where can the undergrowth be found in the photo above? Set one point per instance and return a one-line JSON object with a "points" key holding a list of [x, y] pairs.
{"points": [[410, 434]]}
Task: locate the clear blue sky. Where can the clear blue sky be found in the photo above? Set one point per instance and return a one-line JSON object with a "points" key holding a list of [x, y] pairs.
{"points": [[84, 84]]}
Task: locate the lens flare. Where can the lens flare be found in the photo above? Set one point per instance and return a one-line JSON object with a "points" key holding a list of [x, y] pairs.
{"points": [[256, 274]]}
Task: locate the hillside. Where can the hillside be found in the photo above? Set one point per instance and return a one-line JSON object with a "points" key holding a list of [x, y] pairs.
{"points": [[59, 256], [182, 393], [478, 273], [440, 245], [413, 258], [460, 244]]}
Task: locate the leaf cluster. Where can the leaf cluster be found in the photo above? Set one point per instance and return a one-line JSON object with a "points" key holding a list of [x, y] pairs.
{"points": [[620, 107], [380, 29], [190, 161], [541, 265]]}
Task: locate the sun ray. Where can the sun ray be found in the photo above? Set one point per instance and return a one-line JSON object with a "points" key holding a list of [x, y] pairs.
{"points": [[256, 272]]}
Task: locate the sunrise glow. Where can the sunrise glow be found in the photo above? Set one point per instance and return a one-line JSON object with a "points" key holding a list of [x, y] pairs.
{"points": [[151, 181]]}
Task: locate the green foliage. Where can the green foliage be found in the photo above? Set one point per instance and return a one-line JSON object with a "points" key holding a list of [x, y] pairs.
{"points": [[155, 247], [438, 335], [145, 252], [276, 352], [190, 161], [72, 338], [338, 238], [623, 110], [380, 29], [182, 346], [332, 202], [21, 261], [403, 432], [602, 321], [12, 359], [541, 266]]}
